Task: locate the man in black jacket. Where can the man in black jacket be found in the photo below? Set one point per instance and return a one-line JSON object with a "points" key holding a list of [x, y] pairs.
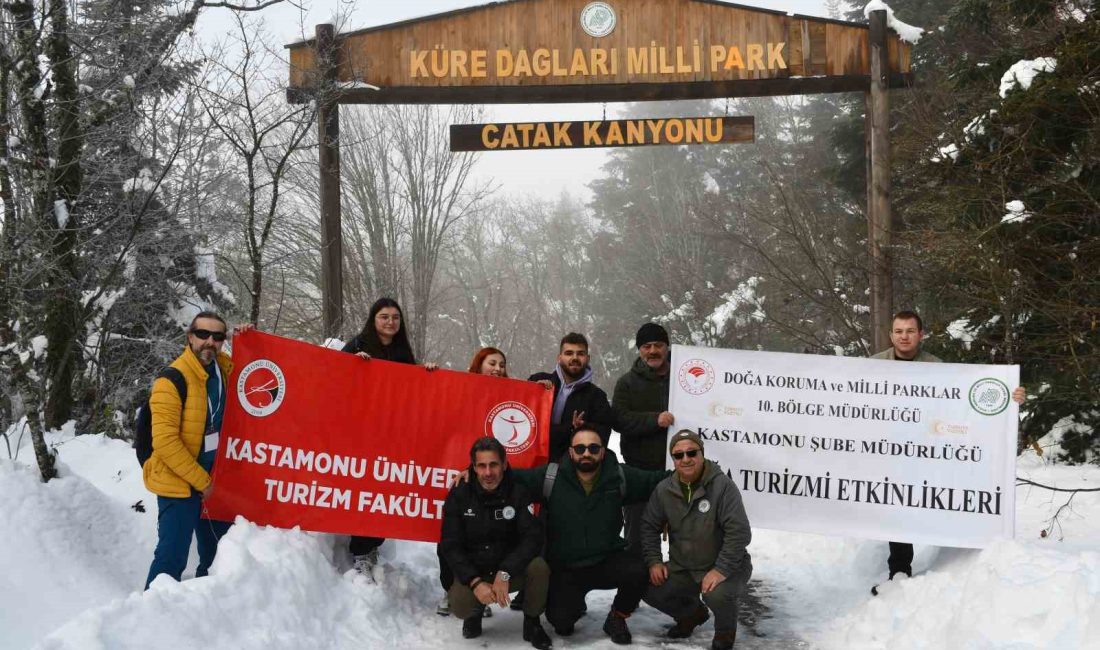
{"points": [[491, 540], [577, 401], [642, 417]]}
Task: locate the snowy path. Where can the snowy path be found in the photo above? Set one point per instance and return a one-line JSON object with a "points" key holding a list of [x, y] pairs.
{"points": [[73, 555]]}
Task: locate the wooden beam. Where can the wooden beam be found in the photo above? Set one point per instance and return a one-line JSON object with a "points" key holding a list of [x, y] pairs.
{"points": [[600, 92], [328, 146], [879, 228]]}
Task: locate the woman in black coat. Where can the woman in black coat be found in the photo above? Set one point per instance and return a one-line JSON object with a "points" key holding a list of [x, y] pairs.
{"points": [[383, 337]]}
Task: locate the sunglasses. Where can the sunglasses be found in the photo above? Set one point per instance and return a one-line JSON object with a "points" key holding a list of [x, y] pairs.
{"points": [[593, 448], [205, 334], [691, 453]]}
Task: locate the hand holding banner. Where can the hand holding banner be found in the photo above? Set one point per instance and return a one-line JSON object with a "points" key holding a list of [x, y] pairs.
{"points": [[906, 451], [330, 442]]}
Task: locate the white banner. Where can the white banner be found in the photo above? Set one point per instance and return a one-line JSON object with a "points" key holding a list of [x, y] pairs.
{"points": [[890, 450]]}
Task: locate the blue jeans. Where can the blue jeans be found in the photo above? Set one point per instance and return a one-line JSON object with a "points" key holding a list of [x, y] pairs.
{"points": [[177, 520]]}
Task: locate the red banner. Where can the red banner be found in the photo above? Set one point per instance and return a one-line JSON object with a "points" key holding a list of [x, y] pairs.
{"points": [[334, 443]]}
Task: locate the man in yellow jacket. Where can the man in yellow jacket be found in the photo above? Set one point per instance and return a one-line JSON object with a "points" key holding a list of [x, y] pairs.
{"points": [[185, 444]]}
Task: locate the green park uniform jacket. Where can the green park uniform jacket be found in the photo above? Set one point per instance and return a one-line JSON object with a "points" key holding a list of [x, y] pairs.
{"points": [[709, 531], [583, 529]]}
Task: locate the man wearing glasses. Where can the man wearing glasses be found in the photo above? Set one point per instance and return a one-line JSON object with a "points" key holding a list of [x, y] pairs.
{"points": [[185, 443], [708, 533], [584, 497]]}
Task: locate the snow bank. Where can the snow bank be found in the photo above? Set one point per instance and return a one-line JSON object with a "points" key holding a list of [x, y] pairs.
{"points": [[73, 557], [269, 588], [1034, 591], [64, 547]]}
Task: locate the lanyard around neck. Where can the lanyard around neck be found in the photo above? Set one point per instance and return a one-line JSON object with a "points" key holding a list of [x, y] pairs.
{"points": [[210, 405]]}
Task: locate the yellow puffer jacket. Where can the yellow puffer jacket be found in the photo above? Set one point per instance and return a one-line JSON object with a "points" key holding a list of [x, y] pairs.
{"points": [[173, 469]]}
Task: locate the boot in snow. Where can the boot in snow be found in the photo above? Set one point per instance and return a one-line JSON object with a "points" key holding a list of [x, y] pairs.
{"points": [[723, 640], [685, 626], [615, 627], [533, 632], [471, 627]]}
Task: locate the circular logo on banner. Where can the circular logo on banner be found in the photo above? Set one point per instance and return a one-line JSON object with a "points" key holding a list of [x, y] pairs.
{"points": [[597, 19], [704, 506], [508, 513], [261, 388], [696, 376], [513, 424], [989, 396]]}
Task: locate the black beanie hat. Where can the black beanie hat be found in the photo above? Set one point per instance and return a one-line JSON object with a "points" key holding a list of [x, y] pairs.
{"points": [[649, 333]]}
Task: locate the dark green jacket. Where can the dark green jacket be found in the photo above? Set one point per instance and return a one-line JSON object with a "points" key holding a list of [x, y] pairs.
{"points": [[709, 532], [640, 396], [583, 529]]}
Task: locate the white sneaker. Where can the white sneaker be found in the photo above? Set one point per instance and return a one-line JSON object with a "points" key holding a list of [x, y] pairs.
{"points": [[444, 606], [365, 564]]}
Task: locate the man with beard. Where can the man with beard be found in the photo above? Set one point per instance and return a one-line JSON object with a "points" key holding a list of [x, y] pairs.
{"points": [[185, 444], [491, 541], [708, 533], [584, 496], [642, 417], [577, 401]]}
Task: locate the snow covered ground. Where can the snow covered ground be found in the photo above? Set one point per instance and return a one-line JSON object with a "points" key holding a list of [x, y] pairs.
{"points": [[74, 553]]}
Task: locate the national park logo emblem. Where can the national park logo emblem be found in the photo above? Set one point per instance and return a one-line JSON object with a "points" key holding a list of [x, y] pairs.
{"points": [[597, 19], [989, 396], [696, 376]]}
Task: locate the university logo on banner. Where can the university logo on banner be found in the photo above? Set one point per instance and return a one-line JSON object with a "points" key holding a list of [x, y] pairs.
{"points": [[513, 424], [261, 387]]}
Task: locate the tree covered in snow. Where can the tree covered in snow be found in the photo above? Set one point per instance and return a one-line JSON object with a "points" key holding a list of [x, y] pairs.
{"points": [[998, 189], [97, 262], [746, 246]]}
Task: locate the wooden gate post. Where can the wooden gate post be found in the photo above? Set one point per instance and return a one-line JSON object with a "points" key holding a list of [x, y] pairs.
{"points": [[328, 149], [879, 229]]}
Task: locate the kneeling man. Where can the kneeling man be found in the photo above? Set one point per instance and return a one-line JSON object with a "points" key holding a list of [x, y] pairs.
{"points": [[708, 533], [491, 540]]}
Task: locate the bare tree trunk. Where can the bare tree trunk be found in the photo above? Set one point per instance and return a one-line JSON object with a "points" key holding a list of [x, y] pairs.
{"points": [[62, 303]]}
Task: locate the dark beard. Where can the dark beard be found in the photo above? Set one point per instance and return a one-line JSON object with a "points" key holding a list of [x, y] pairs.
{"points": [[569, 376], [587, 465]]}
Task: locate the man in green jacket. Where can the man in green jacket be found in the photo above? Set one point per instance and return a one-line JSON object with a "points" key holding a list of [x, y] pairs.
{"points": [[584, 497], [708, 533], [642, 418]]}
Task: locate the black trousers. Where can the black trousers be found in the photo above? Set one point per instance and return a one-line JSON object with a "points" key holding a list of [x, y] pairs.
{"points": [[446, 576], [632, 526], [901, 558], [363, 545], [623, 570]]}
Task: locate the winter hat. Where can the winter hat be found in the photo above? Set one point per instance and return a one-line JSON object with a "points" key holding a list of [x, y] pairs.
{"points": [[684, 434], [649, 333]]}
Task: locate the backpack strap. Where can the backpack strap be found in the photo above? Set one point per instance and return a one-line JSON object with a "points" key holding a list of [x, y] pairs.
{"points": [[176, 377], [548, 480], [622, 481]]}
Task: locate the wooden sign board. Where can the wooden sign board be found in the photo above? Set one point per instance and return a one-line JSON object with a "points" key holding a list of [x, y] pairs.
{"points": [[579, 50], [519, 136]]}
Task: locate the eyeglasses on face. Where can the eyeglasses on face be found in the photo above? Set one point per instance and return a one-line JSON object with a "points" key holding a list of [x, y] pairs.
{"points": [[593, 448], [205, 334], [690, 453]]}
